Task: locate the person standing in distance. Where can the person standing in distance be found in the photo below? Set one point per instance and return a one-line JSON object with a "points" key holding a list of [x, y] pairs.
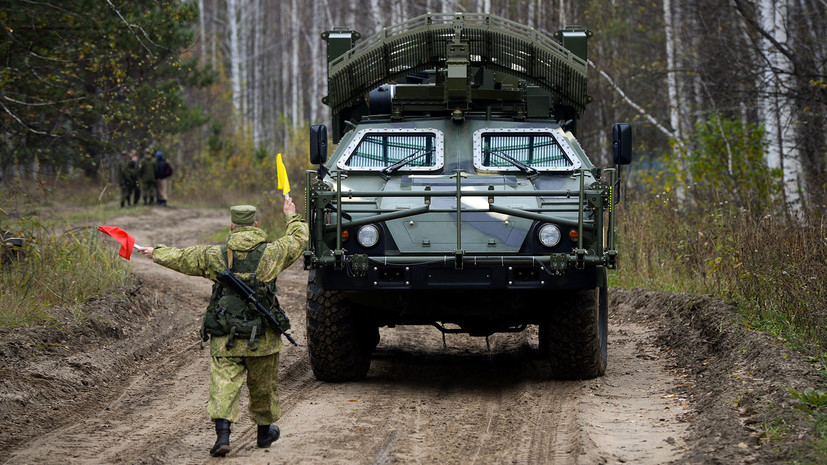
{"points": [[239, 344], [163, 170], [147, 168], [134, 178], [125, 180]]}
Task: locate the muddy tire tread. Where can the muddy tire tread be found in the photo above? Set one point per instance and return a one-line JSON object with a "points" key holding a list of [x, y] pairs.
{"points": [[335, 345]]}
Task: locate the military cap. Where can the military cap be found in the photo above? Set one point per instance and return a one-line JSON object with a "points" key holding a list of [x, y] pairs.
{"points": [[243, 214]]}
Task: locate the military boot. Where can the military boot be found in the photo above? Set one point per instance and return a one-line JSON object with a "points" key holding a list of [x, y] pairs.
{"points": [[267, 434], [222, 444]]}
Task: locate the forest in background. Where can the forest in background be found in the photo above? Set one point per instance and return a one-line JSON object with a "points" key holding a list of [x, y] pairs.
{"points": [[724, 97], [728, 103]]}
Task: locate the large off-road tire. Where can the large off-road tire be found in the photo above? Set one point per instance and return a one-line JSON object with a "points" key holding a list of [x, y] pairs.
{"points": [[575, 340], [336, 341]]}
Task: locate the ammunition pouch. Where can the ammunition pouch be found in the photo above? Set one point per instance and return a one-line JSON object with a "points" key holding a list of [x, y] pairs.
{"points": [[229, 315]]}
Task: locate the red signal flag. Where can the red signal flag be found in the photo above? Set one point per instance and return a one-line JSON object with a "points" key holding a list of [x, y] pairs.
{"points": [[127, 242]]}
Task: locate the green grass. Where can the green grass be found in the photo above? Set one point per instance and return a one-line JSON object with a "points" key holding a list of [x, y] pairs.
{"points": [[55, 268], [810, 407], [60, 265]]}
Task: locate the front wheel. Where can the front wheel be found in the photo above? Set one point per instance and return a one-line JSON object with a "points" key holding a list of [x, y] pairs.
{"points": [[575, 342], [335, 338]]}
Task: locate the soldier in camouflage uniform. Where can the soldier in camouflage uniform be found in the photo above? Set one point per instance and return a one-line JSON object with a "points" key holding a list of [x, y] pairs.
{"points": [[125, 180], [230, 361], [135, 178], [147, 169]]}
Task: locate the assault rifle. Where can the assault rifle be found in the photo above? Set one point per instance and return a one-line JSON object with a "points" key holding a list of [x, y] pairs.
{"points": [[229, 278]]}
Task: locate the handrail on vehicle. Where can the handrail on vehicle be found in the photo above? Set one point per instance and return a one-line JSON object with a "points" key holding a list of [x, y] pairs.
{"points": [[579, 256], [458, 193]]}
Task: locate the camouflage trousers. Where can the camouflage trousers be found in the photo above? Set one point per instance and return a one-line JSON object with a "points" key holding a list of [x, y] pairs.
{"points": [[126, 193], [226, 377], [148, 190]]}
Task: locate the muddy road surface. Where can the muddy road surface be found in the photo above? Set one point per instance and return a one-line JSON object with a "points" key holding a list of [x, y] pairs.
{"points": [[131, 385]]}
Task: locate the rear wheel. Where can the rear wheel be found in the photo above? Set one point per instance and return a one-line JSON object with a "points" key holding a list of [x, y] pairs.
{"points": [[338, 343], [575, 342]]}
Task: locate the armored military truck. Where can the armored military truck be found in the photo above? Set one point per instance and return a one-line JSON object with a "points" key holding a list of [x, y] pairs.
{"points": [[457, 194]]}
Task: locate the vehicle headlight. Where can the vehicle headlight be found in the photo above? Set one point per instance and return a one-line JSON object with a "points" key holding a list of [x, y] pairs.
{"points": [[549, 235], [368, 235]]}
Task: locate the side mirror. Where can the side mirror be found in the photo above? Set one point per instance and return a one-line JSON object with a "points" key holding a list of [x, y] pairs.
{"points": [[318, 144], [622, 143]]}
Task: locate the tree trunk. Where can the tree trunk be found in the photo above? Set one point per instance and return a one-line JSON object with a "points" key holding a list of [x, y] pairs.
{"points": [[202, 32], [376, 16], [318, 76], [295, 95], [235, 57], [776, 106], [256, 100]]}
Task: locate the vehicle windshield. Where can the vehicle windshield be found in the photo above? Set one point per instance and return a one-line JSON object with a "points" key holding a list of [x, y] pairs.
{"points": [[509, 149], [383, 151]]}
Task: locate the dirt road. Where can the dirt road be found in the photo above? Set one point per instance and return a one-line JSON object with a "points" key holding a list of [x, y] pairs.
{"points": [[138, 395]]}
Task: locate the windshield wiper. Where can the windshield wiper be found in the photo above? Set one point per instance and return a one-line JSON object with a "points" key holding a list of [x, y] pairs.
{"points": [[529, 171], [391, 168]]}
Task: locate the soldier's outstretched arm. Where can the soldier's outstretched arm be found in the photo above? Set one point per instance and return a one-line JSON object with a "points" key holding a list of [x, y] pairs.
{"points": [[193, 261]]}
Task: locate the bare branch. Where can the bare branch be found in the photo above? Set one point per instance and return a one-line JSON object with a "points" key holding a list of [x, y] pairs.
{"points": [[644, 113], [42, 104], [28, 128], [739, 5], [28, 47], [51, 5], [130, 26]]}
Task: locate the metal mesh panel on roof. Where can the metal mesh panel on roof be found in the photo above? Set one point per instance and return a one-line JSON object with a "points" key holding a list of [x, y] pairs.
{"points": [[421, 43]]}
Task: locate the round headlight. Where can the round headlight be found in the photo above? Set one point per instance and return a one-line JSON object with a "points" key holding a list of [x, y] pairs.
{"points": [[368, 235], [549, 235]]}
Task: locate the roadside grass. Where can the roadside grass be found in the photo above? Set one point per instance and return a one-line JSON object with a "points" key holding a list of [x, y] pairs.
{"points": [[771, 267], [59, 264], [55, 268], [809, 406]]}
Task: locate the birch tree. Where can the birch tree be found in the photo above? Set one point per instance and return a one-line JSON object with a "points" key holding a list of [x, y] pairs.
{"points": [[235, 56], [774, 103], [295, 68], [376, 16]]}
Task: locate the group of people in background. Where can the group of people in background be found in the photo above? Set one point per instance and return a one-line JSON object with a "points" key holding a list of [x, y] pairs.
{"points": [[147, 177]]}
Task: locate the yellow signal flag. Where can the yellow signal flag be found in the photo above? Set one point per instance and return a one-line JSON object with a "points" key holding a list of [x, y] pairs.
{"points": [[284, 183]]}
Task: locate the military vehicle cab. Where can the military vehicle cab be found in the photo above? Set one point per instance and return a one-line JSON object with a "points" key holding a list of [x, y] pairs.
{"points": [[457, 194]]}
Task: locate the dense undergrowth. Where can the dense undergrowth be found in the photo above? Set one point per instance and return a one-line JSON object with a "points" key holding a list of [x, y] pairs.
{"points": [[771, 266], [56, 266]]}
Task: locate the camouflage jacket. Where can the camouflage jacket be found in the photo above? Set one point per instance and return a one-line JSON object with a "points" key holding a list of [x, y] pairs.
{"points": [[124, 173], [207, 261], [147, 168]]}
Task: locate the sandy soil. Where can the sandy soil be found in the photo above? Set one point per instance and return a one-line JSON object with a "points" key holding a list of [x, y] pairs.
{"points": [[130, 384]]}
